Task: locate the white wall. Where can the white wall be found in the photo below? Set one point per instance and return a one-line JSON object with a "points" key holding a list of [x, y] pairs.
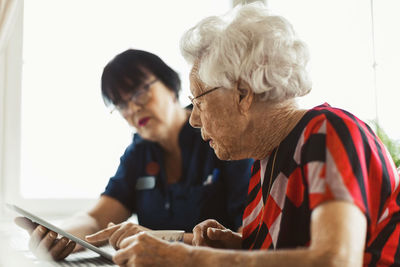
{"points": [[10, 82], [10, 129], [2, 81]]}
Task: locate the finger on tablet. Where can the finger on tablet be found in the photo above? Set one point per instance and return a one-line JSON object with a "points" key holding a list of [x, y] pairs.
{"points": [[102, 234]]}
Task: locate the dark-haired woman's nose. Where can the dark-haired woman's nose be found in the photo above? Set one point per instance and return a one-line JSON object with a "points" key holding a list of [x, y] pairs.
{"points": [[132, 106], [131, 109]]}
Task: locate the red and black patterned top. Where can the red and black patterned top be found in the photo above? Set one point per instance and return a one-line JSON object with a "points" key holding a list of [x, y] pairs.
{"points": [[329, 155]]}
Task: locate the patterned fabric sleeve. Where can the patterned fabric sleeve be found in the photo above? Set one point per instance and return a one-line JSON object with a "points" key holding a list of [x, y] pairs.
{"points": [[344, 160]]}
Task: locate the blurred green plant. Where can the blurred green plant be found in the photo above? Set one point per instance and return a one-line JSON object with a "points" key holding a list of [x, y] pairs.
{"points": [[393, 146]]}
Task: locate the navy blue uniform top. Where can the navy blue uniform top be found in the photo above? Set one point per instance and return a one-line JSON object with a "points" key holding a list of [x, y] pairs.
{"points": [[209, 188]]}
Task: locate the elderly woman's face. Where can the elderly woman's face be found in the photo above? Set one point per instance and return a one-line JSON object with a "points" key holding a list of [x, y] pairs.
{"points": [[218, 117]]}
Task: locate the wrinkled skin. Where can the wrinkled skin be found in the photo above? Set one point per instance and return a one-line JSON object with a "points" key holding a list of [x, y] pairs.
{"points": [[143, 250], [211, 233], [116, 233]]}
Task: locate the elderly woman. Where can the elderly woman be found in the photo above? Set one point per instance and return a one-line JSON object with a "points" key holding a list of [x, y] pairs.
{"points": [[324, 190]]}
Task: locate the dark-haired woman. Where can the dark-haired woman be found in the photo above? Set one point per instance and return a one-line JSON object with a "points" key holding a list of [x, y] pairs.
{"points": [[168, 176]]}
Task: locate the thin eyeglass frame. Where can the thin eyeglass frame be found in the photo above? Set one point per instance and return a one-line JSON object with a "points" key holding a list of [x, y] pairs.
{"points": [[145, 88], [203, 94]]}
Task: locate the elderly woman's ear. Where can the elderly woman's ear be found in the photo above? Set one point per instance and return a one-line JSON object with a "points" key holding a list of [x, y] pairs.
{"points": [[245, 95]]}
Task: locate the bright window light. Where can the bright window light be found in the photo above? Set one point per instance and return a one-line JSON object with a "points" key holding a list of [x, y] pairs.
{"points": [[70, 144], [387, 44], [339, 35]]}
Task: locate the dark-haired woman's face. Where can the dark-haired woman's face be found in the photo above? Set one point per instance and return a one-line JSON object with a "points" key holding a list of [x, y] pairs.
{"points": [[154, 118]]}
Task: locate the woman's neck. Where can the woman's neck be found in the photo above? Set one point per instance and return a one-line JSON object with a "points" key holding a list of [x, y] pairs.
{"points": [[170, 141], [271, 124]]}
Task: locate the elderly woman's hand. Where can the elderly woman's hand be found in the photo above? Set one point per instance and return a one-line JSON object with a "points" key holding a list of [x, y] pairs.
{"points": [[116, 233], [211, 233], [145, 250]]}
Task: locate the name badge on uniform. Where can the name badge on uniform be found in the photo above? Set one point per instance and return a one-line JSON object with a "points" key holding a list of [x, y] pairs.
{"points": [[212, 178], [145, 182]]}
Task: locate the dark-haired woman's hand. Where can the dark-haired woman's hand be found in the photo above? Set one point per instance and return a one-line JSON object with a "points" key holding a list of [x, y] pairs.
{"points": [[43, 243]]}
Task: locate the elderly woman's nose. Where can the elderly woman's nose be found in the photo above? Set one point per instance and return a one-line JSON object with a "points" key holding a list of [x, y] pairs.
{"points": [[194, 119]]}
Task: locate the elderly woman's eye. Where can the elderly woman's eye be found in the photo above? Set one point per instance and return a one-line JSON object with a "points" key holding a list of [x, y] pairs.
{"points": [[198, 104]]}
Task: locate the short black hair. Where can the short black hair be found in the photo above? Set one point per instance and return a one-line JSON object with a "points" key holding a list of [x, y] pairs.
{"points": [[129, 70]]}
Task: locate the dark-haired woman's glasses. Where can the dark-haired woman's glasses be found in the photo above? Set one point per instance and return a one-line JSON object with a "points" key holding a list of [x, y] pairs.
{"points": [[195, 101], [140, 98]]}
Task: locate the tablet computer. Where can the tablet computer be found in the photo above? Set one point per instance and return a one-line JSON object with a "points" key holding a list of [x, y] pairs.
{"points": [[59, 231]]}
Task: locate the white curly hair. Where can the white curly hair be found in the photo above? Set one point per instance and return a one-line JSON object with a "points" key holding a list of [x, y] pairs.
{"points": [[251, 44]]}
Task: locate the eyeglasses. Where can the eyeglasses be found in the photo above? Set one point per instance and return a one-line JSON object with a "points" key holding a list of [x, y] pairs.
{"points": [[194, 100], [140, 98]]}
